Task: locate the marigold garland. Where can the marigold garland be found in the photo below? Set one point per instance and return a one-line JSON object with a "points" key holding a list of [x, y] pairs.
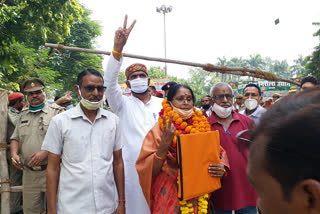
{"points": [[196, 124]]}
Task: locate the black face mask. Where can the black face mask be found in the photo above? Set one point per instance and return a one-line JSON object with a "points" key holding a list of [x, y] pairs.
{"points": [[206, 107]]}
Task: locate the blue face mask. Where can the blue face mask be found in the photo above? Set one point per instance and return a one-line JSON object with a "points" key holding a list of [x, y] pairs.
{"points": [[68, 107]]}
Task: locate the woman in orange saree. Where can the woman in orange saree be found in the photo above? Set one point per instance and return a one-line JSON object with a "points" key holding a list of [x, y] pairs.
{"points": [[157, 166]]}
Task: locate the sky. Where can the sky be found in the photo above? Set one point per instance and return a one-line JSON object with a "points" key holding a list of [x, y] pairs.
{"points": [[201, 31]]}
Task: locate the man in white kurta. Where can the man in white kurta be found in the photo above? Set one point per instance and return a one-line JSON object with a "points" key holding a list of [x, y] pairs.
{"points": [[138, 114], [136, 119]]}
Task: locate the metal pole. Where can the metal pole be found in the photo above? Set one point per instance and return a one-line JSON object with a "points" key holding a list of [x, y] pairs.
{"points": [[165, 44]]}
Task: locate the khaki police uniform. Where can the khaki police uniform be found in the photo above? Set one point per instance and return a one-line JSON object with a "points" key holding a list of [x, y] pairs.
{"points": [[14, 173], [30, 130]]}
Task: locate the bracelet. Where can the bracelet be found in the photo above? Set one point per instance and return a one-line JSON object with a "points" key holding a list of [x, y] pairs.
{"points": [[116, 52], [123, 200], [159, 158]]}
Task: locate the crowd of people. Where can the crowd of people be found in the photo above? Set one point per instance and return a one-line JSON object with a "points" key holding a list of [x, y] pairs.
{"points": [[85, 159]]}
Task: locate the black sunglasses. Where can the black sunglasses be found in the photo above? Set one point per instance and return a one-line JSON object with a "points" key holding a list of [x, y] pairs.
{"points": [[91, 88]]}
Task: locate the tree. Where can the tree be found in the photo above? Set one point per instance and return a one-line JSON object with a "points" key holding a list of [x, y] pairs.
{"points": [[281, 69], [313, 64], [299, 68], [24, 27], [156, 73], [82, 34]]}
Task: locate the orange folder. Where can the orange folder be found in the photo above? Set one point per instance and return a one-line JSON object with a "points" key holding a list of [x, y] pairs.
{"points": [[195, 152]]}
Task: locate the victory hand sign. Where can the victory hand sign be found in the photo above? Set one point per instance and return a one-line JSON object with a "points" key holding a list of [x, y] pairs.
{"points": [[121, 37]]}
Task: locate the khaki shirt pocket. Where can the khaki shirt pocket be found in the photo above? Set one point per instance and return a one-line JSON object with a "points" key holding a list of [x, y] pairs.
{"points": [[43, 125], [24, 130]]}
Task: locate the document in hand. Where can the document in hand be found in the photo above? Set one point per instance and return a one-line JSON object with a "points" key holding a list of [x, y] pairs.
{"points": [[195, 152]]}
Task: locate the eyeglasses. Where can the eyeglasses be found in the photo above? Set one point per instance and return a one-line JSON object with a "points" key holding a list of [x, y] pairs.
{"points": [[91, 88], [181, 100], [244, 144], [222, 96]]}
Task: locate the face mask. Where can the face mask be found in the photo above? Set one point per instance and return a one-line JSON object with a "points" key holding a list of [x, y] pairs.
{"points": [[68, 107], [206, 106], [139, 85], [184, 114], [36, 108], [88, 104], [221, 111], [251, 104]]}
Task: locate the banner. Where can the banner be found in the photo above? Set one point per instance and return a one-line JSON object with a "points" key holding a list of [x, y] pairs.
{"points": [[263, 84], [159, 83]]}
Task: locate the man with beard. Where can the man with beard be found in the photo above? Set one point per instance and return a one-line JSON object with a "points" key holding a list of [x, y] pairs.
{"points": [[236, 193], [252, 100], [206, 105], [16, 103], [138, 114], [26, 142]]}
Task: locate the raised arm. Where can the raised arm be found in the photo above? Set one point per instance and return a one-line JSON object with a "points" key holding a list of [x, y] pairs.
{"points": [[113, 92]]}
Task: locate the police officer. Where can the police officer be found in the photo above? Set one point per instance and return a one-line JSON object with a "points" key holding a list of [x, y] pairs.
{"points": [[26, 142], [165, 88], [16, 103]]}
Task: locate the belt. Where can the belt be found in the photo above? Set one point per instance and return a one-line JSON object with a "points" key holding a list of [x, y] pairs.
{"points": [[38, 168]]}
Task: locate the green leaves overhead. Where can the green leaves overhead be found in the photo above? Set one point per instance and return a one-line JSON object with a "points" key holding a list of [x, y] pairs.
{"points": [[25, 25], [314, 60]]}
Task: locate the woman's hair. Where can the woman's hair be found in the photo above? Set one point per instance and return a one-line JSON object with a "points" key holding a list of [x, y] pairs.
{"points": [[174, 89], [291, 128]]}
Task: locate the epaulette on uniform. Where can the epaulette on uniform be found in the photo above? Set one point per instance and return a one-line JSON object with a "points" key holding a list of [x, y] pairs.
{"points": [[56, 107]]}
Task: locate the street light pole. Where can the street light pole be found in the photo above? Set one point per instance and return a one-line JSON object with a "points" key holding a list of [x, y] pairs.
{"points": [[165, 44], [163, 9]]}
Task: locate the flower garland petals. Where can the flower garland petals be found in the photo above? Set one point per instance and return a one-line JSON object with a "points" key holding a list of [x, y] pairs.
{"points": [[196, 124]]}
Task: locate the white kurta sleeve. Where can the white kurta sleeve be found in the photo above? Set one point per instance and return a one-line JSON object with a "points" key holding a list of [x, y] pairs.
{"points": [[113, 92]]}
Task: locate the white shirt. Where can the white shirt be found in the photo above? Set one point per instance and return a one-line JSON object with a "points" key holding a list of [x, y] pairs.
{"points": [[256, 115], [136, 119], [86, 183]]}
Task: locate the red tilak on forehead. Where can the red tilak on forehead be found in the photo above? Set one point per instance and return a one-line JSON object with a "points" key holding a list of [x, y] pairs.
{"points": [[185, 94]]}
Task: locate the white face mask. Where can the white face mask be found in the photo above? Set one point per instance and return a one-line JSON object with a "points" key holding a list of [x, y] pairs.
{"points": [[88, 104], [139, 85], [251, 104], [221, 111]]}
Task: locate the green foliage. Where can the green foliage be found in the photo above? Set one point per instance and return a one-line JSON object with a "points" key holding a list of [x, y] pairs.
{"points": [[122, 77], [24, 28], [82, 35], [36, 21], [156, 73], [313, 64]]}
